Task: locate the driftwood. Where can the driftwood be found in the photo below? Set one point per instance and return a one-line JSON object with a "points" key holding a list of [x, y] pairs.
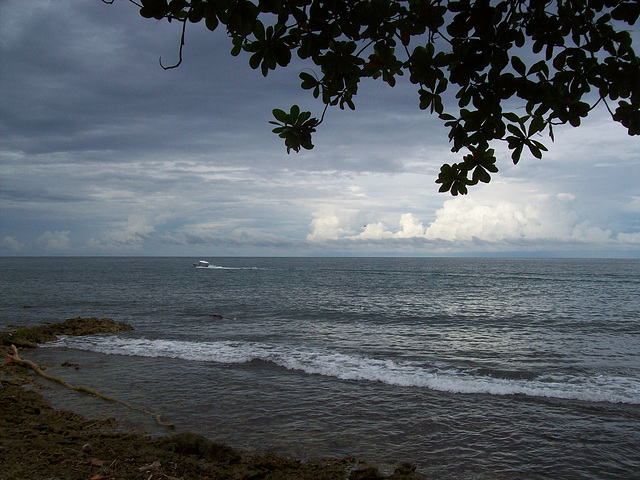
{"points": [[16, 360]]}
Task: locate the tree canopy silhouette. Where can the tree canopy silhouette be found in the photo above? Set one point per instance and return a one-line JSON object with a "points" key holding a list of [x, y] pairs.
{"points": [[491, 70]]}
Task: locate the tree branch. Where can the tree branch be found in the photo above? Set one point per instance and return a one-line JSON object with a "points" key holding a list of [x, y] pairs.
{"points": [[16, 360], [184, 27]]}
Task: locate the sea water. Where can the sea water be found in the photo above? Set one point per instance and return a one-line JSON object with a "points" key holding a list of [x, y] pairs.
{"points": [[469, 368]]}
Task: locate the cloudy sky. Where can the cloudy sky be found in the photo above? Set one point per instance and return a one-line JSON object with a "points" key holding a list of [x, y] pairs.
{"points": [[104, 153]]}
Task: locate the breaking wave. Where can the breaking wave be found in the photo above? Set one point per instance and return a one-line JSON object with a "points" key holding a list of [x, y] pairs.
{"points": [[574, 386]]}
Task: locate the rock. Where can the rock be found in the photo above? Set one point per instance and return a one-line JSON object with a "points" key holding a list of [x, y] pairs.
{"points": [[29, 337], [87, 326], [15, 338], [154, 466], [192, 444], [405, 469], [69, 364], [366, 472], [86, 448]]}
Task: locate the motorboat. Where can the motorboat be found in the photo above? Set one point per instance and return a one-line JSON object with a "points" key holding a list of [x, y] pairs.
{"points": [[201, 264]]}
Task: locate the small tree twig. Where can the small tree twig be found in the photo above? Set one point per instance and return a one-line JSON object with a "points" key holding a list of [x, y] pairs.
{"points": [[184, 27]]}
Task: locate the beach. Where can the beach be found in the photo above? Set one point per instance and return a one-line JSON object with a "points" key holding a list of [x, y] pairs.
{"points": [[469, 369], [40, 442]]}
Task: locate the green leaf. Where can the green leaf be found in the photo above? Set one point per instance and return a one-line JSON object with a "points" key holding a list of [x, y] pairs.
{"points": [[480, 174], [627, 12], [308, 81], [237, 46], [539, 145], [535, 151], [515, 130], [304, 116], [446, 186], [560, 60], [518, 65], [517, 153], [536, 125], [280, 115], [540, 66], [254, 61], [211, 22], [282, 55], [512, 117], [442, 86], [437, 105], [196, 14]]}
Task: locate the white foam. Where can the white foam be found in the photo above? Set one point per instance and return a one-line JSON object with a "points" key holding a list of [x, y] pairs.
{"points": [[613, 389], [220, 267]]}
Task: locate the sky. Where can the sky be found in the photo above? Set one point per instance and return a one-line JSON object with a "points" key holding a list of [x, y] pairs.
{"points": [[102, 152]]}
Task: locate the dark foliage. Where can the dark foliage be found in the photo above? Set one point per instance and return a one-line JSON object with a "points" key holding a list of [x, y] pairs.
{"points": [[474, 63]]}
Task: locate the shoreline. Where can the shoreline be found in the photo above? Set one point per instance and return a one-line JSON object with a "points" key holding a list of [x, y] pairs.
{"points": [[40, 442]]}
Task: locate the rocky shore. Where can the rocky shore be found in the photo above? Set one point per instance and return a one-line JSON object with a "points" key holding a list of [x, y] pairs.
{"points": [[38, 442], [30, 337]]}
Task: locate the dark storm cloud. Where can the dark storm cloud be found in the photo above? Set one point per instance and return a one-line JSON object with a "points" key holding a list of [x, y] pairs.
{"points": [[102, 151]]}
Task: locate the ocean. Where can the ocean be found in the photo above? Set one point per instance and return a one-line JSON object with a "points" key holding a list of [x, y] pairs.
{"points": [[469, 368]]}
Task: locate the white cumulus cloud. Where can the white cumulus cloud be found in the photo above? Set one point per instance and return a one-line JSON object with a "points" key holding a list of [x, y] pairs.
{"points": [[57, 241], [327, 224], [629, 238], [494, 220], [410, 227], [499, 219], [10, 244], [132, 234], [374, 231]]}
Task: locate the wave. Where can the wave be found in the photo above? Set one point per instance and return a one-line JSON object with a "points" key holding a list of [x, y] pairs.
{"points": [[220, 267], [612, 389]]}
